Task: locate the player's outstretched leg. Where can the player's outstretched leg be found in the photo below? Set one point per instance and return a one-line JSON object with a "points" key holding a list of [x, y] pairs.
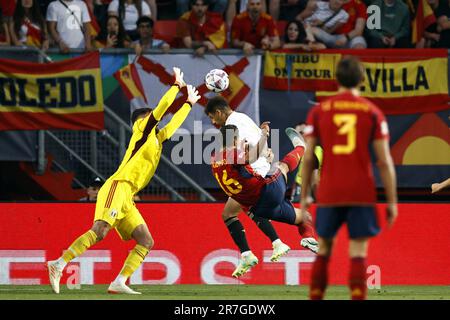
{"points": [[77, 248], [279, 248], [144, 242]]}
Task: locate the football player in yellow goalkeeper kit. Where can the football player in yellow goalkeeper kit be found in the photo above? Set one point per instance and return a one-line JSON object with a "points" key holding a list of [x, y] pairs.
{"points": [[115, 207]]}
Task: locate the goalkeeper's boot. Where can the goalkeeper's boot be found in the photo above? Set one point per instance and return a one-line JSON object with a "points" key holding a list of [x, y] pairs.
{"points": [[54, 274], [117, 287], [310, 243], [295, 137], [245, 263], [279, 250]]}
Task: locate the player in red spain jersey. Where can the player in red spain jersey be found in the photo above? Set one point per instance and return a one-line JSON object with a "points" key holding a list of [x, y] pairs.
{"points": [[346, 126], [265, 197]]}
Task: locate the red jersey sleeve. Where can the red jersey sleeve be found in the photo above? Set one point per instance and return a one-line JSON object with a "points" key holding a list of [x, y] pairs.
{"points": [[272, 30], [381, 127], [311, 129], [361, 9]]}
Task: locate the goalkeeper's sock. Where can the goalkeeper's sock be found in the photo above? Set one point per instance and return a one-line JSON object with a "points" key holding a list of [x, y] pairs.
{"points": [[77, 248], [292, 159], [357, 278], [237, 232], [319, 278], [132, 262]]}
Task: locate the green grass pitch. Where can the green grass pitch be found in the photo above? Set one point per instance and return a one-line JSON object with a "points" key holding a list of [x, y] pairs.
{"points": [[219, 292]]}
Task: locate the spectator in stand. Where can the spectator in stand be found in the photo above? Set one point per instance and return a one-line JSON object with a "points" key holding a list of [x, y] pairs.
{"points": [[28, 26], [286, 9], [295, 38], [113, 35], [254, 29], [129, 11], [239, 6], [7, 8], [323, 19], [218, 6], [200, 29], [443, 23], [351, 33], [68, 24], [4, 34], [146, 40], [92, 190], [395, 26], [430, 35]]}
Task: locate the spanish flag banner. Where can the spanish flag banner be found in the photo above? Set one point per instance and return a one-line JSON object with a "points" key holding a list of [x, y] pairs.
{"points": [[289, 70], [423, 18], [213, 29], [404, 81], [61, 95], [130, 82]]}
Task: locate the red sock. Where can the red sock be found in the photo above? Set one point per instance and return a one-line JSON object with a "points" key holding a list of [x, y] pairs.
{"points": [[306, 229], [292, 159], [357, 280], [319, 278]]}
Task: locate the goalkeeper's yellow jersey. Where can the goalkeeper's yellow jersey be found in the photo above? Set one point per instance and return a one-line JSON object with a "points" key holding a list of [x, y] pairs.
{"points": [[144, 150]]}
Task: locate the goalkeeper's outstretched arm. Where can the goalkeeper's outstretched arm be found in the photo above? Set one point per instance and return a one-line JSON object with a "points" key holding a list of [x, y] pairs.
{"points": [[179, 117], [169, 97]]}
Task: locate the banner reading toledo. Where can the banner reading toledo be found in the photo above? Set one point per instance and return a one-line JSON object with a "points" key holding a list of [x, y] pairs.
{"points": [[60, 95]]}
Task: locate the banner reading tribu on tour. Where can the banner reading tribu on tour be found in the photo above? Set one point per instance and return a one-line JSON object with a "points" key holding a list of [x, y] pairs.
{"points": [[398, 81], [60, 95]]}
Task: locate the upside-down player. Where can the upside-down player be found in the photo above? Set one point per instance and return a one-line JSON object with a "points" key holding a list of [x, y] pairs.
{"points": [[115, 207], [264, 196], [220, 114], [347, 126]]}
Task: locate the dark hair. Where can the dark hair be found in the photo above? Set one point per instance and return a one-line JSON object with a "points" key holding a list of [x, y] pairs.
{"points": [[136, 113], [144, 19], [121, 36], [35, 16], [301, 32], [216, 103], [96, 183], [225, 132], [137, 3], [350, 72], [205, 2]]}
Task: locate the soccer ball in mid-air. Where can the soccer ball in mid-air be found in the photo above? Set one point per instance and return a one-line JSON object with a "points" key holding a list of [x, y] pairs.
{"points": [[217, 80]]}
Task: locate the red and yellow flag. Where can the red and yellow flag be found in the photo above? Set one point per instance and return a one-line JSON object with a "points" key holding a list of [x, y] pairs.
{"points": [[130, 82], [213, 29], [62, 95], [424, 17], [34, 34]]}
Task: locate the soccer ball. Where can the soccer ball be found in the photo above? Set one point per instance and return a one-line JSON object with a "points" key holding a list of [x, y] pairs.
{"points": [[217, 80]]}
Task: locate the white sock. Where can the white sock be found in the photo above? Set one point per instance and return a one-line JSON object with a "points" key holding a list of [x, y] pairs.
{"points": [[245, 254], [121, 279], [61, 263], [277, 242]]}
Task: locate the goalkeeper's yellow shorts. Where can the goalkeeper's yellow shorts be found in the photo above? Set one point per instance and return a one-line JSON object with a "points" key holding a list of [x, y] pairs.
{"points": [[115, 206]]}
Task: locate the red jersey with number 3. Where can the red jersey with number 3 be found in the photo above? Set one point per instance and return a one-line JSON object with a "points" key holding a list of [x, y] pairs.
{"points": [[237, 179], [345, 126]]}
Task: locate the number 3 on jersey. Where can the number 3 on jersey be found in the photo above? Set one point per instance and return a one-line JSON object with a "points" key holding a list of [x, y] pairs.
{"points": [[230, 186], [346, 123]]}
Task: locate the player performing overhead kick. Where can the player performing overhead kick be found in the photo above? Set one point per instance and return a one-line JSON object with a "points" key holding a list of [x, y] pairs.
{"points": [[220, 115], [264, 196], [115, 207]]}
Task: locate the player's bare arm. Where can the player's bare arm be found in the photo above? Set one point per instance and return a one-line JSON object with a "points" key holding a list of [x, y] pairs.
{"points": [[387, 174], [252, 153]]}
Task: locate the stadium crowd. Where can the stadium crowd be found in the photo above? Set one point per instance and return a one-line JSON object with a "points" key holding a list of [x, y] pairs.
{"points": [[210, 25]]}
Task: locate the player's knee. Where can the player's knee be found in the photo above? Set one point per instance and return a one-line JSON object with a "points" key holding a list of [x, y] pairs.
{"points": [[147, 242], [227, 215], [101, 229]]}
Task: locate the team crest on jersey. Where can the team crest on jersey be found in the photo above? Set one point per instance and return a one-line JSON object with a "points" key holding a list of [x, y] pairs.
{"points": [[113, 213]]}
